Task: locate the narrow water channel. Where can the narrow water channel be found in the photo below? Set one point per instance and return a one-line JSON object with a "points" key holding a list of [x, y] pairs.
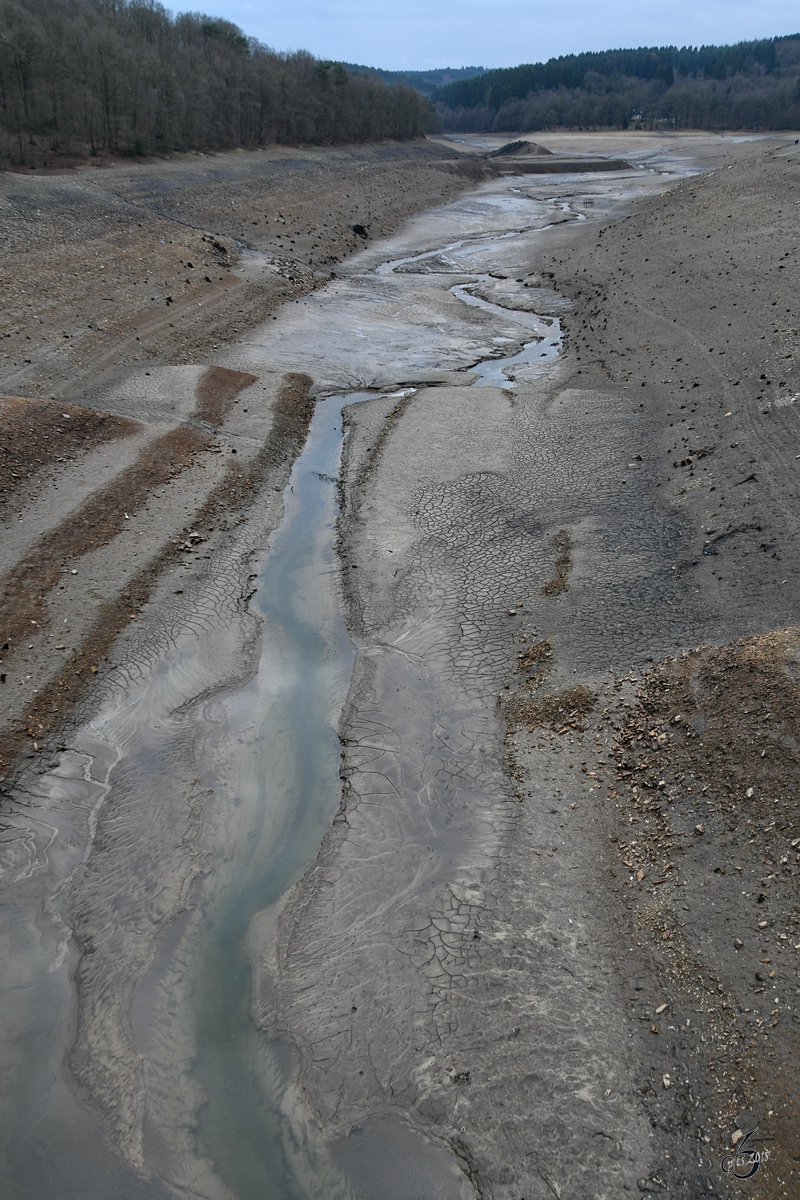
{"points": [[288, 716], [287, 790], [280, 775], [222, 1116]]}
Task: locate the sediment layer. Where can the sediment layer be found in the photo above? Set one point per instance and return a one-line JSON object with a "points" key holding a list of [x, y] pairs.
{"points": [[535, 929], [638, 502]]}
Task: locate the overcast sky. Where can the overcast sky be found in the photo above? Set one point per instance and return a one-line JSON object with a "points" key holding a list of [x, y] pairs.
{"points": [[418, 34]]}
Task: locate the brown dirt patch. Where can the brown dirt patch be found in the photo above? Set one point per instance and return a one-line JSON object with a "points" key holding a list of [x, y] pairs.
{"points": [[558, 710], [36, 434], [560, 581], [216, 391], [708, 834], [724, 723], [56, 702], [536, 658], [531, 707]]}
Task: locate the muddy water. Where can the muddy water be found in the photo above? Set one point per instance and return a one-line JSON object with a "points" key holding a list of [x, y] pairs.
{"points": [[181, 1091], [273, 763], [274, 760]]}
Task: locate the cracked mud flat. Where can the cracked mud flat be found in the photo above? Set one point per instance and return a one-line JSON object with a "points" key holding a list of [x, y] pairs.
{"points": [[440, 1007]]}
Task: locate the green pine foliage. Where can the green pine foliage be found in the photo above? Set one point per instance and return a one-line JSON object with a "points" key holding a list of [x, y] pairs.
{"points": [[751, 85]]}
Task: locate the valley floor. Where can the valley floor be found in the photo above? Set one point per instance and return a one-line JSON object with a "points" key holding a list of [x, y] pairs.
{"points": [[555, 923]]}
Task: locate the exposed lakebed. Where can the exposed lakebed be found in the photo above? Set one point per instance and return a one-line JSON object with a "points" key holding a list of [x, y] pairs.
{"points": [[176, 1045]]}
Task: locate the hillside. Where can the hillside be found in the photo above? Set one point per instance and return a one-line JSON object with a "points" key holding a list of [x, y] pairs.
{"points": [[748, 85], [80, 77], [426, 82]]}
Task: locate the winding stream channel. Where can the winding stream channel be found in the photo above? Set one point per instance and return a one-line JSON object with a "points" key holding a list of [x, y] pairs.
{"points": [[220, 1112]]}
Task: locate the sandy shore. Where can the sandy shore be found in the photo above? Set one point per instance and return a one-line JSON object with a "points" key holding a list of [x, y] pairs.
{"points": [[598, 976]]}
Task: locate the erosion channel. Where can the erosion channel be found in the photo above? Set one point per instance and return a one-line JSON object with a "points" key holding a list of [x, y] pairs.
{"points": [[285, 921]]}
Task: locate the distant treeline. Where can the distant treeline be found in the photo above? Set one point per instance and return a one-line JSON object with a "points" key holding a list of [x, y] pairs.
{"points": [[427, 82], [81, 76], [752, 85]]}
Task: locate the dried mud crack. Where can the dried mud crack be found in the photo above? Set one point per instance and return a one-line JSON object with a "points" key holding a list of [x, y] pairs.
{"points": [[553, 929]]}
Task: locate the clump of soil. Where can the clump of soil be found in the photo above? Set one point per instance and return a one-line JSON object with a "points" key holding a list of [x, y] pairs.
{"points": [[722, 724], [559, 710], [530, 707], [560, 582], [536, 658]]}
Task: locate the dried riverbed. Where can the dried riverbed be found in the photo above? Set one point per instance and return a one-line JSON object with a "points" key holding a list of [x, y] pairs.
{"points": [[438, 1006]]}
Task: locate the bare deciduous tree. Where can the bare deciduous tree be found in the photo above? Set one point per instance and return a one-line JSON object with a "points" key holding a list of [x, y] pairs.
{"points": [[81, 76]]}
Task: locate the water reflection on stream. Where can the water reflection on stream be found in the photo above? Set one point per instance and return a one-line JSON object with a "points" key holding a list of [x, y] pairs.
{"points": [[269, 756], [273, 760], [284, 790]]}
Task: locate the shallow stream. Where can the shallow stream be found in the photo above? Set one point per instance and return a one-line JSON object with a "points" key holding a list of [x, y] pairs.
{"points": [[288, 715], [221, 1117]]}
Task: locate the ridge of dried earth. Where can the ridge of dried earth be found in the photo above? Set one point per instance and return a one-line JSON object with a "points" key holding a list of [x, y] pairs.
{"points": [[119, 283], [690, 305]]}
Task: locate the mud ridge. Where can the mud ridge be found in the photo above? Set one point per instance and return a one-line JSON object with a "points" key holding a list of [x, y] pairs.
{"points": [[60, 699]]}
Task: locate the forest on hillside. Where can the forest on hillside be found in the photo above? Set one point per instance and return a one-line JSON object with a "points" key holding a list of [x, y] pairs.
{"points": [[426, 82], [751, 85], [125, 76]]}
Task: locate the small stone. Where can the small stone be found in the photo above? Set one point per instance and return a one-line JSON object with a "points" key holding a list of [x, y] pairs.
{"points": [[750, 793], [738, 943], [667, 1082]]}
